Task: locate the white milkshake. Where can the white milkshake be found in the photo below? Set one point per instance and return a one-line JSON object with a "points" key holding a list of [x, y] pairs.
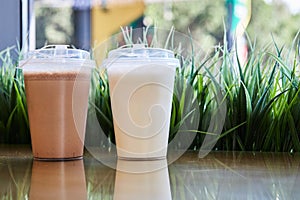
{"points": [[141, 88]]}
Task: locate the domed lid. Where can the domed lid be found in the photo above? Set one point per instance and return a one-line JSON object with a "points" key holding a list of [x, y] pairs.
{"points": [[57, 52], [138, 52]]}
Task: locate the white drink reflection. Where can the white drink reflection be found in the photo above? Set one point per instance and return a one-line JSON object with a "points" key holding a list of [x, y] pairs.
{"points": [[142, 180], [58, 180]]}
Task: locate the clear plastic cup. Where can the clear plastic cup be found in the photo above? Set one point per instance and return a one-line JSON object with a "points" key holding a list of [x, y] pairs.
{"points": [[57, 83], [141, 82]]}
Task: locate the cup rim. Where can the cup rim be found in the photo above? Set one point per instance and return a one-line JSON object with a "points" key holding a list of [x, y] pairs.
{"points": [[56, 63], [140, 53]]}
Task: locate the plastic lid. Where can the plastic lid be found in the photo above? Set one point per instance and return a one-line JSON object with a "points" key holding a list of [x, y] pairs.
{"points": [[140, 52], [57, 51]]}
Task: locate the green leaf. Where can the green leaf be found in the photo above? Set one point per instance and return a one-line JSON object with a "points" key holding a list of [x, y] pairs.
{"points": [[10, 119]]}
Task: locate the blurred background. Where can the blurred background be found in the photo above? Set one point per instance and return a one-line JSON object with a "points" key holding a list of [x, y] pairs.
{"points": [[86, 23]]}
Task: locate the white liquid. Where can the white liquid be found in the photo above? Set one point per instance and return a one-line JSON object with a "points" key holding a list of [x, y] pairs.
{"points": [[141, 99]]}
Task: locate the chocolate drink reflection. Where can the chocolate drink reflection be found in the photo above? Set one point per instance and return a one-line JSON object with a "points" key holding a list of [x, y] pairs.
{"points": [[142, 180], [58, 180]]}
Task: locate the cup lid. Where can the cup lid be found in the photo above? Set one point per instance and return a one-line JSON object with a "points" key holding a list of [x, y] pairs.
{"points": [[141, 53], [57, 52]]}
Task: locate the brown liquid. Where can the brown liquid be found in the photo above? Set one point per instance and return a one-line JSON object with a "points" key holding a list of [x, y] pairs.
{"points": [[57, 113]]}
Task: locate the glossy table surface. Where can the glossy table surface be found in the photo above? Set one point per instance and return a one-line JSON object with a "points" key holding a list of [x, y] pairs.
{"points": [[219, 175]]}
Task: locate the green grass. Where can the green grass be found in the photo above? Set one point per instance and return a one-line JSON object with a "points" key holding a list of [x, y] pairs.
{"points": [[265, 95], [262, 97], [14, 125]]}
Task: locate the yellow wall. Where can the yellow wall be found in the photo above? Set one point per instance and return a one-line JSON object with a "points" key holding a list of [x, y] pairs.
{"points": [[106, 22]]}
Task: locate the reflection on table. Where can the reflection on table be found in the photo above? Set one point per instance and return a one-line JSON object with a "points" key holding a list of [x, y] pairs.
{"points": [[220, 175], [142, 180], [236, 175], [58, 180]]}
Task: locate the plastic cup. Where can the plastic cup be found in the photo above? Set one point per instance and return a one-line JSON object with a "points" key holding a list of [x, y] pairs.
{"points": [[141, 82], [57, 83]]}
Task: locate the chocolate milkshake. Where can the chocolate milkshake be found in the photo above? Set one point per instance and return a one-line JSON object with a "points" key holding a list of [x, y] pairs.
{"points": [[57, 99]]}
